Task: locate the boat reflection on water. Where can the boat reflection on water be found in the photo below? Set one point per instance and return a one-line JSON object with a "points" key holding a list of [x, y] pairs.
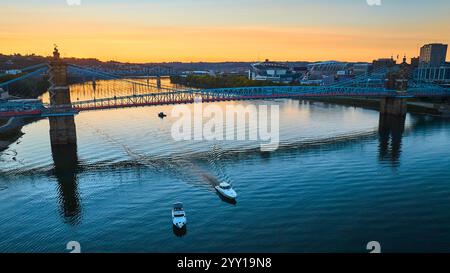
{"points": [[65, 160], [179, 232]]}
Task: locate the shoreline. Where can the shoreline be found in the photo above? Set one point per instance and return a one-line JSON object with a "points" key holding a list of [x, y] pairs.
{"points": [[413, 107], [11, 130]]}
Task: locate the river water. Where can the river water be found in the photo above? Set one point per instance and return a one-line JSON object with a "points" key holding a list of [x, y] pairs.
{"points": [[335, 183]]}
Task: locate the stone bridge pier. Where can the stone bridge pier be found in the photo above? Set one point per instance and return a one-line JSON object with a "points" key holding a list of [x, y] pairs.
{"points": [[62, 122], [393, 107]]}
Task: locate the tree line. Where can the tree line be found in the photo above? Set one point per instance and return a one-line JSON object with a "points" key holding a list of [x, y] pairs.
{"points": [[226, 81]]}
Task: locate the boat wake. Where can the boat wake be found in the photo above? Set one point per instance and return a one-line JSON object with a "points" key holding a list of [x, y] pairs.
{"points": [[203, 168]]}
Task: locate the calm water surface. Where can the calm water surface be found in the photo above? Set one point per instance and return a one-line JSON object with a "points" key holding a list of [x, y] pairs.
{"points": [[335, 184]]}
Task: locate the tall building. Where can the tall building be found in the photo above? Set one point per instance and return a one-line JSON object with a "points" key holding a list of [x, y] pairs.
{"points": [[433, 55]]}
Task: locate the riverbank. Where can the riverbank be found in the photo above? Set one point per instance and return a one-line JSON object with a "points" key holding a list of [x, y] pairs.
{"points": [[414, 106], [10, 130], [206, 81], [10, 126], [4, 144]]}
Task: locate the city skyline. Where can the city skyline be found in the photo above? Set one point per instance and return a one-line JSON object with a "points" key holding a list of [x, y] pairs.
{"points": [[216, 31]]}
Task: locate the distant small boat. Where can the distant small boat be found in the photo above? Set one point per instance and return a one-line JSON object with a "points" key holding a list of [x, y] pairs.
{"points": [[179, 216], [162, 115], [226, 190]]}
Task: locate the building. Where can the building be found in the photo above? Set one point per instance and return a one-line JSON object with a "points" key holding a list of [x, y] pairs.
{"points": [[324, 73], [432, 64], [361, 69], [440, 74], [405, 72], [383, 65], [329, 68], [198, 73], [13, 72], [415, 62], [301, 71], [271, 71], [380, 68], [433, 55]]}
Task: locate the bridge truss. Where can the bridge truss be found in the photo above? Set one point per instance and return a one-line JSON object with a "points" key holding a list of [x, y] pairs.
{"points": [[147, 94]]}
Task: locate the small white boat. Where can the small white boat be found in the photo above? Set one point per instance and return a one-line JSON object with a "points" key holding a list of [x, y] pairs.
{"points": [[226, 190], [178, 216]]}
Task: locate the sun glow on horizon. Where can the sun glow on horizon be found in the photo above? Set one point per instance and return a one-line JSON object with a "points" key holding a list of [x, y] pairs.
{"points": [[215, 31]]}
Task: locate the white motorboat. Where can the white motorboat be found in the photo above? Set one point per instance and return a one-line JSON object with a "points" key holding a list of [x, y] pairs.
{"points": [[226, 190], [178, 216]]}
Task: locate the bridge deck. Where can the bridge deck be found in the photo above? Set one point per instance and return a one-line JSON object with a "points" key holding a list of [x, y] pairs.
{"points": [[224, 94]]}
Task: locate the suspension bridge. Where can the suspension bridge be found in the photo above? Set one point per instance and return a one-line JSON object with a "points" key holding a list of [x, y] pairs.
{"points": [[106, 90], [149, 94]]}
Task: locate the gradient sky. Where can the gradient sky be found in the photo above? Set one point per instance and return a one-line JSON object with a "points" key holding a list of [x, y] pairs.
{"points": [[223, 30]]}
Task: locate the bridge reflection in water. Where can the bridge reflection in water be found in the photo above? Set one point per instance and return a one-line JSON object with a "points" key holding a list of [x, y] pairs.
{"points": [[391, 129], [66, 167]]}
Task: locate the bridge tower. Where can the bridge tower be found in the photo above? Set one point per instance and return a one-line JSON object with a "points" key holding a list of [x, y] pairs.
{"points": [[397, 81], [393, 115], [62, 123]]}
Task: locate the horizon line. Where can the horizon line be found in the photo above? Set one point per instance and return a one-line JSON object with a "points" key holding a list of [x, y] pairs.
{"points": [[104, 60]]}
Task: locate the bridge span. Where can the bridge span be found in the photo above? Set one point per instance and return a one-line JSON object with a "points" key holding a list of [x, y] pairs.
{"points": [[251, 93]]}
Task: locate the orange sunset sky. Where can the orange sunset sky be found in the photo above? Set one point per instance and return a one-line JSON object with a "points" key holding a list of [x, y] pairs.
{"points": [[223, 30]]}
